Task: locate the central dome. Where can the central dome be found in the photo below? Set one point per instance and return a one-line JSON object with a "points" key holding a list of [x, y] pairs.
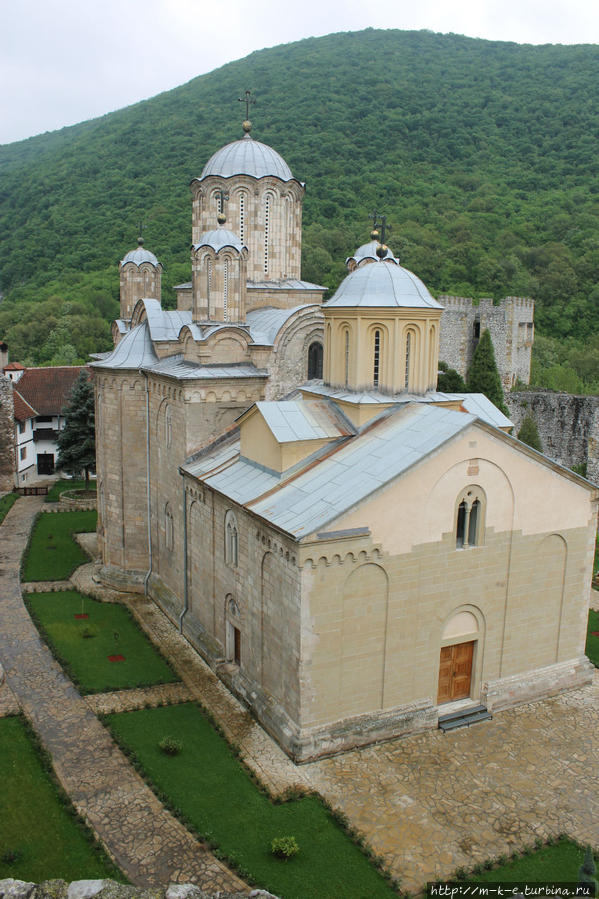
{"points": [[382, 284], [247, 157]]}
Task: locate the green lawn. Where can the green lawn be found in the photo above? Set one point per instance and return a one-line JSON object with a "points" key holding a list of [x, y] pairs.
{"points": [[6, 503], [53, 554], [83, 645], [592, 647], [215, 793], [38, 827], [559, 863], [60, 486]]}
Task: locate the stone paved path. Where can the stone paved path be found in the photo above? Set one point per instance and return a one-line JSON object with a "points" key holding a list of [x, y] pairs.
{"points": [[147, 843]]}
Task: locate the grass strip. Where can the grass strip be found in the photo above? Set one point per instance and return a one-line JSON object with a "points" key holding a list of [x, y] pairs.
{"points": [[207, 787], [555, 861], [6, 503], [83, 645], [60, 486], [52, 553], [41, 835], [592, 644]]}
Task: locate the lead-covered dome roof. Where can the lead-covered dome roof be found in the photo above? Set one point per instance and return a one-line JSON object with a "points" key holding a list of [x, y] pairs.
{"points": [[219, 238], [247, 157], [139, 255], [368, 251], [382, 284]]}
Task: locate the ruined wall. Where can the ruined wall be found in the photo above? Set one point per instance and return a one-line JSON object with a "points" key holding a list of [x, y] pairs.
{"points": [[7, 436], [568, 425], [510, 324]]}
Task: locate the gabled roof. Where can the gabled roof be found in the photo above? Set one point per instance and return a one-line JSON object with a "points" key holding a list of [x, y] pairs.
{"points": [[22, 410], [48, 389], [14, 366], [292, 421], [336, 478]]}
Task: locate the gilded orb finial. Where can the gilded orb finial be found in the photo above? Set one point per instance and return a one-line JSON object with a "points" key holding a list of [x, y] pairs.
{"points": [[140, 241], [221, 218], [374, 234], [247, 126], [381, 250]]}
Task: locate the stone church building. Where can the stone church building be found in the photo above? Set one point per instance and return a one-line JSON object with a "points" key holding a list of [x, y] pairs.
{"points": [[354, 553]]}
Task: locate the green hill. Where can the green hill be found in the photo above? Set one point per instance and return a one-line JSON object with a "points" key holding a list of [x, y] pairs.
{"points": [[481, 154]]}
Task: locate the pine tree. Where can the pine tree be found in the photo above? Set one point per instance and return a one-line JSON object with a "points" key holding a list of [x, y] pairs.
{"points": [[587, 872], [483, 376], [449, 380], [77, 440], [529, 433]]}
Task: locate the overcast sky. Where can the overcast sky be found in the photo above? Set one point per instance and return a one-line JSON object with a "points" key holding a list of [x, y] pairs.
{"points": [[64, 61]]}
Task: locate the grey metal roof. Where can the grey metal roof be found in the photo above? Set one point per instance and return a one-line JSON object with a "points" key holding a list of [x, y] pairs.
{"points": [[247, 157], [284, 284], [266, 322], [382, 284], [478, 404], [177, 367], [164, 324], [294, 420], [368, 251], [139, 255], [218, 239], [307, 501], [134, 351]]}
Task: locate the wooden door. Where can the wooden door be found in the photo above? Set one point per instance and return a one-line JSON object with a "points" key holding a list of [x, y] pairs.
{"points": [[455, 672]]}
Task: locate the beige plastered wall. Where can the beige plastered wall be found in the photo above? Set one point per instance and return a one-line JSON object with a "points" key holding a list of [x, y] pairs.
{"points": [[526, 585]]}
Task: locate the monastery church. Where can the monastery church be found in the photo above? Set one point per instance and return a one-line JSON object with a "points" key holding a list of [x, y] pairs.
{"points": [[354, 553]]}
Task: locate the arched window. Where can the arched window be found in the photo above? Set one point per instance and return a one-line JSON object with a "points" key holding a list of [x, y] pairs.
{"points": [[267, 211], [168, 426], [470, 518], [231, 540], [169, 528], [226, 290], [242, 217], [208, 283], [376, 358], [408, 360], [232, 630], [315, 360], [346, 358]]}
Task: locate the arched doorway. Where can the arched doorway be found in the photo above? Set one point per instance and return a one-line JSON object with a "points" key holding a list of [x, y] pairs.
{"points": [[458, 650]]}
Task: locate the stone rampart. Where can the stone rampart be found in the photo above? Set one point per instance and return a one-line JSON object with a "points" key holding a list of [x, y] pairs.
{"points": [[109, 889], [7, 436], [568, 425]]}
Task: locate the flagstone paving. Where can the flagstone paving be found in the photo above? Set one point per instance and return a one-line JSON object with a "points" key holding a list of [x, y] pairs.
{"points": [[429, 803], [149, 845]]}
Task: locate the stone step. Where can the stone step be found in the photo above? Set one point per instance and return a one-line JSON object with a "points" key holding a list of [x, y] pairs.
{"points": [[464, 718]]}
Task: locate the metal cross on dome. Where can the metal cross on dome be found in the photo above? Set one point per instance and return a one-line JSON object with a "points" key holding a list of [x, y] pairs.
{"points": [[248, 100], [222, 196]]}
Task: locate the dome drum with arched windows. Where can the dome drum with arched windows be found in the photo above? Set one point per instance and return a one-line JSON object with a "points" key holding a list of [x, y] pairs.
{"points": [[219, 277], [263, 203], [381, 328], [140, 275]]}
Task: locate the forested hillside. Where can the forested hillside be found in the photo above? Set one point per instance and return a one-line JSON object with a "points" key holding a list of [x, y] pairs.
{"points": [[482, 155]]}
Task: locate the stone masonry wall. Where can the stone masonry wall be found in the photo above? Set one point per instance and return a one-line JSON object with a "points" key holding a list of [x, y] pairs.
{"points": [[510, 324], [109, 889], [568, 425], [7, 436]]}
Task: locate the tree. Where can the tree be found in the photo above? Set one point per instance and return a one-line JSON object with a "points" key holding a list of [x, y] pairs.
{"points": [[529, 433], [450, 380], [588, 871], [77, 440], [483, 376]]}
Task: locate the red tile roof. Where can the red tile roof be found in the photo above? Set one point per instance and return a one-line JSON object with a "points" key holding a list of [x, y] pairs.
{"points": [[23, 411], [14, 366], [48, 389]]}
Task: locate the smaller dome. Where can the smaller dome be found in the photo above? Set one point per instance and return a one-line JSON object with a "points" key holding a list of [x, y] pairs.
{"points": [[379, 285], [219, 238], [139, 255], [368, 251], [247, 157]]}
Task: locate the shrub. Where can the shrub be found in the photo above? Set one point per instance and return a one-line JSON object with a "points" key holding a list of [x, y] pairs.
{"points": [[170, 746], [284, 847]]}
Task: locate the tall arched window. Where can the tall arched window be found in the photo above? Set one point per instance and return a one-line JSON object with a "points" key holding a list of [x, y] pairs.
{"points": [[376, 358], [231, 540], [408, 360], [226, 290], [267, 213], [168, 426], [346, 358], [315, 360], [232, 630], [208, 283], [169, 528], [242, 217], [470, 518]]}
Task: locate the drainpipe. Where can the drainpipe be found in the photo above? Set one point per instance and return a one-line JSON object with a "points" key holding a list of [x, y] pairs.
{"points": [[185, 577], [148, 510]]}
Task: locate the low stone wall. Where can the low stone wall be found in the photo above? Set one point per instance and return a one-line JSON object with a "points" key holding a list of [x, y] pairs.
{"points": [[73, 499], [568, 425], [109, 889]]}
